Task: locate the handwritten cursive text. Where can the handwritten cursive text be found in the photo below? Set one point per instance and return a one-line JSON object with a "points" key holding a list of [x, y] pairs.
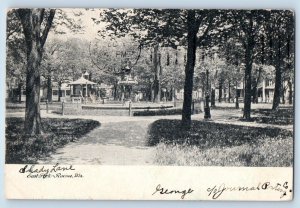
{"points": [[162, 190]]}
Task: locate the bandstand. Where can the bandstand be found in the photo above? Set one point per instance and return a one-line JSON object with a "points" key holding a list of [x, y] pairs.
{"points": [[126, 82], [82, 89]]}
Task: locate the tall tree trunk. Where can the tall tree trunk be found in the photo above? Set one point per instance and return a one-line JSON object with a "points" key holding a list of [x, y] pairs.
{"points": [[148, 93], [59, 91], [278, 76], [255, 98], [220, 90], [49, 89], [156, 85], [152, 92], [248, 70], [171, 95], [290, 92], [277, 90], [20, 92], [116, 90], [229, 95], [213, 97], [11, 93], [32, 113], [249, 46], [283, 93], [189, 68], [236, 96], [35, 38]]}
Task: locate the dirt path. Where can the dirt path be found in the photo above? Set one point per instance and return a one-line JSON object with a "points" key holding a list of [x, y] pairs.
{"points": [[122, 140], [113, 143]]}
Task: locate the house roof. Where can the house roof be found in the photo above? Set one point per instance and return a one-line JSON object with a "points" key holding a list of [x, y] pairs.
{"points": [[82, 81]]}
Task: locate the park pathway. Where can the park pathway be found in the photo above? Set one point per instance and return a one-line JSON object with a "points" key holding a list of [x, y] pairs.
{"points": [[115, 142], [122, 140]]}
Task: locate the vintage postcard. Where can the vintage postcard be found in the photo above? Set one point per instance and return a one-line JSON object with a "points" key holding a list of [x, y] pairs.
{"points": [[150, 104]]}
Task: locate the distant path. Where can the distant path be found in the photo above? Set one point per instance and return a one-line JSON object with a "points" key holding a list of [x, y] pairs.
{"points": [[122, 140]]}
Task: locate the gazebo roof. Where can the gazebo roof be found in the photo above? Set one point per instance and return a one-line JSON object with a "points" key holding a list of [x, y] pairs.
{"points": [[82, 81]]}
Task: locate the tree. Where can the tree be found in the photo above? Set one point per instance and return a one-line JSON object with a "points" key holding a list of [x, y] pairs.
{"points": [[151, 28], [110, 57], [36, 24], [16, 55], [260, 62], [280, 33], [231, 52], [249, 24], [48, 64], [64, 60], [209, 61], [289, 73], [172, 77], [165, 27]]}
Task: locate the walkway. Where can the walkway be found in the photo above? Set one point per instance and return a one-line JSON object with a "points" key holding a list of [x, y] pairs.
{"points": [[122, 140], [113, 143]]}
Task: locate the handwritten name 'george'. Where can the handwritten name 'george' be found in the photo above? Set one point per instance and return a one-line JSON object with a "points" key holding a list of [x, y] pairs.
{"points": [[159, 189]]}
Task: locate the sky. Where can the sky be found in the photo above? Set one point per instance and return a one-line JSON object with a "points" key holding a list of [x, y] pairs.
{"points": [[85, 20]]}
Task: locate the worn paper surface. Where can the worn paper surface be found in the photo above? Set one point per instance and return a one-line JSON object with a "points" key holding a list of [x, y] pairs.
{"points": [[102, 104], [140, 182]]}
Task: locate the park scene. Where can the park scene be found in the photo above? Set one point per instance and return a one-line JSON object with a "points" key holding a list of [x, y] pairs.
{"points": [[171, 87]]}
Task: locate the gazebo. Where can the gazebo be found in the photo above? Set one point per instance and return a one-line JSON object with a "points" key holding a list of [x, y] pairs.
{"points": [[81, 88], [126, 86]]}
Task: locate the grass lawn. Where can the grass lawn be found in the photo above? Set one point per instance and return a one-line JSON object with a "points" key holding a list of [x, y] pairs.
{"points": [[57, 132], [283, 116], [213, 144]]}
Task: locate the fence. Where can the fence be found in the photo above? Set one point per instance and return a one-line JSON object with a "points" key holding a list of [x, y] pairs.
{"points": [[114, 109]]}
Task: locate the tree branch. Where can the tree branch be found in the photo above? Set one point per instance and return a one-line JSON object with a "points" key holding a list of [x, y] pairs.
{"points": [[139, 55], [24, 16], [95, 64], [10, 33], [211, 17], [42, 13], [47, 27], [92, 60]]}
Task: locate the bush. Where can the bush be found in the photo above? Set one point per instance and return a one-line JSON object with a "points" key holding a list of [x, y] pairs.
{"points": [[57, 132]]}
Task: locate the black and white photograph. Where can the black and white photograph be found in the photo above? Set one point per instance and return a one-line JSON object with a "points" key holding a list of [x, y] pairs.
{"points": [[150, 87]]}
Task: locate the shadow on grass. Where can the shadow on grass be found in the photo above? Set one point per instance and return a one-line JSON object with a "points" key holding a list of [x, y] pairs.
{"points": [[57, 132], [225, 108], [208, 134], [282, 116]]}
